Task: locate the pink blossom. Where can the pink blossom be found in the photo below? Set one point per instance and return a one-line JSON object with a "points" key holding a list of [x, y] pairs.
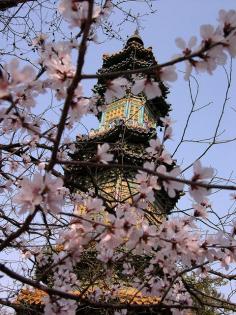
{"points": [[11, 77], [148, 86], [79, 108], [26, 254], [214, 57], [155, 147], [155, 150], [102, 154], [165, 157], [187, 50], [200, 173], [115, 89], [41, 190], [231, 45], [167, 121], [209, 34], [56, 57], [205, 203], [128, 269], [147, 182], [171, 186], [200, 211], [168, 74], [30, 194], [227, 18], [186, 47], [168, 133], [92, 204], [76, 12], [53, 193]]}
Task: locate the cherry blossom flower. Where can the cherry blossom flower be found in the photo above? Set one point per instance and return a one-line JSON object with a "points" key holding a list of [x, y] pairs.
{"points": [[231, 45], [200, 173], [26, 158], [128, 269], [227, 19], [147, 182], [91, 204], [155, 150], [63, 279], [168, 74], [76, 12], [26, 254], [165, 157], [11, 77], [168, 133], [200, 211], [155, 147], [186, 47], [41, 190], [187, 50], [102, 155], [149, 87], [214, 57], [115, 89], [56, 57], [171, 186], [78, 108], [209, 34], [205, 203], [31, 193], [167, 121]]}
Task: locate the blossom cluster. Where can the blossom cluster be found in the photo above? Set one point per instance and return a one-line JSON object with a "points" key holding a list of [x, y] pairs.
{"points": [[173, 247], [42, 190]]}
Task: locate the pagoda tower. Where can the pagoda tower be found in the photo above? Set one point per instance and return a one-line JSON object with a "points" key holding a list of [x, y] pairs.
{"points": [[127, 125]]}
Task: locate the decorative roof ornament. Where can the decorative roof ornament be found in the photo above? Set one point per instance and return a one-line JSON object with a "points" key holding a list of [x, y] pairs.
{"points": [[135, 38]]}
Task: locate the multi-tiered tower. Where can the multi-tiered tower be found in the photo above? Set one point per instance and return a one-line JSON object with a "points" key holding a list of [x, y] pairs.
{"points": [[127, 125]]}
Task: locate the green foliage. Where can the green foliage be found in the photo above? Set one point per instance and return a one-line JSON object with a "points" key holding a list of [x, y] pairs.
{"points": [[206, 291]]}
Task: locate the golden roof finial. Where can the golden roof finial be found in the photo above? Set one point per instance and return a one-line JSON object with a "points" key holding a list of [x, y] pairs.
{"points": [[135, 37]]}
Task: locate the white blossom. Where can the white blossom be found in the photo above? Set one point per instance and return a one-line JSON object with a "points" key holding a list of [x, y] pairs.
{"points": [[171, 186], [168, 74], [200, 211], [115, 89], [210, 34], [102, 154], [227, 18], [76, 12], [155, 147], [41, 190], [200, 173], [149, 87]]}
